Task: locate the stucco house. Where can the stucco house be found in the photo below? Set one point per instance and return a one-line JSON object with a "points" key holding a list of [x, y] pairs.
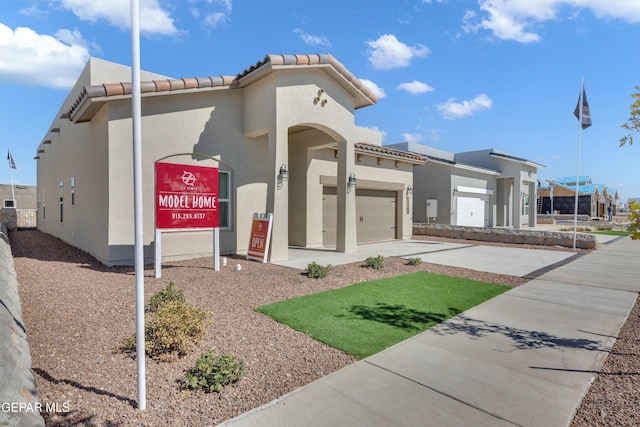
{"points": [[282, 132], [482, 188]]}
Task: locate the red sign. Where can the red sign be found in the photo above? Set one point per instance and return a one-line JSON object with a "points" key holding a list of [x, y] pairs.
{"points": [[186, 196], [260, 236]]}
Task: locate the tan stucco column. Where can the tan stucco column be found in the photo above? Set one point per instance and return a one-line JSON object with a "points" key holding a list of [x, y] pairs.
{"points": [[517, 208], [278, 198], [346, 239]]}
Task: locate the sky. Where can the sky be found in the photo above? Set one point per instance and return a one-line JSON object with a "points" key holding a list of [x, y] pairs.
{"points": [[456, 75]]}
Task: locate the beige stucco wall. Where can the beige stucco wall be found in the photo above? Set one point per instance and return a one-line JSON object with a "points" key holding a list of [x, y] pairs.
{"points": [[251, 130]]}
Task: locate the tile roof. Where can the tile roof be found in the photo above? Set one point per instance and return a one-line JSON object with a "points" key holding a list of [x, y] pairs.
{"points": [[390, 152], [169, 85], [309, 60], [164, 85]]}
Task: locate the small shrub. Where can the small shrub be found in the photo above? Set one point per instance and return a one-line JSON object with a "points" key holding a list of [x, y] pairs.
{"points": [[173, 330], [415, 261], [164, 295], [604, 227], [374, 262], [317, 271], [213, 373]]}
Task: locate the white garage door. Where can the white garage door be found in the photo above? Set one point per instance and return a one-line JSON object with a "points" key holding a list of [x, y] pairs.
{"points": [[471, 211]]}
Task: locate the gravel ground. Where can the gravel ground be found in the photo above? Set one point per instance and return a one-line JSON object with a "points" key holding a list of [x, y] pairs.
{"points": [[78, 312]]}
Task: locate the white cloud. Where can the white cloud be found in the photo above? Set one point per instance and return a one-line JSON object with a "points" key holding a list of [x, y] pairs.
{"points": [[153, 19], [387, 52], [377, 129], [412, 137], [312, 40], [221, 15], [435, 134], [520, 20], [30, 58], [452, 110], [415, 87], [377, 90], [215, 18]]}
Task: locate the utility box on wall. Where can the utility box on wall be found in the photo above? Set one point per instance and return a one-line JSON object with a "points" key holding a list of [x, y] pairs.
{"points": [[432, 209]]}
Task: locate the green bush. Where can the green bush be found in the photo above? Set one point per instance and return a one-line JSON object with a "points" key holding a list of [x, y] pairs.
{"points": [[374, 262], [164, 295], [213, 373], [173, 330], [415, 261], [634, 226], [604, 227], [317, 271]]}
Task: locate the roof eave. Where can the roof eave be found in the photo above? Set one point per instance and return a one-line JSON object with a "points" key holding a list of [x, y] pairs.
{"points": [[518, 160]]}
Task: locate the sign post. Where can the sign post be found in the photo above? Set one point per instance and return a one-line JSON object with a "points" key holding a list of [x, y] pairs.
{"points": [[260, 237], [186, 199]]}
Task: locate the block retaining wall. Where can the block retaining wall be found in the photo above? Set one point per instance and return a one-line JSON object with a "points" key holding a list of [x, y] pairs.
{"points": [[506, 235], [18, 395]]}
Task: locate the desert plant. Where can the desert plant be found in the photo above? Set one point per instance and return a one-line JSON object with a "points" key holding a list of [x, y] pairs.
{"points": [[374, 262], [634, 226], [173, 330], [317, 271], [213, 373], [415, 261], [170, 293]]}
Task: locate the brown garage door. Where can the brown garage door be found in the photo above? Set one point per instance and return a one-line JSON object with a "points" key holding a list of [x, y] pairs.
{"points": [[375, 215]]}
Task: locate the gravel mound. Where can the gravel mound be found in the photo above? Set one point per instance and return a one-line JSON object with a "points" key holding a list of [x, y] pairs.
{"points": [[78, 312]]}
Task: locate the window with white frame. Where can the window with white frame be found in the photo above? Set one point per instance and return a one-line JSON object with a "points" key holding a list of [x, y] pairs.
{"points": [[61, 196], [72, 189]]}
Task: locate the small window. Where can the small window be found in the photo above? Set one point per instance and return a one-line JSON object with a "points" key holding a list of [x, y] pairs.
{"points": [[9, 203], [43, 204], [72, 189], [61, 195], [224, 199], [525, 204]]}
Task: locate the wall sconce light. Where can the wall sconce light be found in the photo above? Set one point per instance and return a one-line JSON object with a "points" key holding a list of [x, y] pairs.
{"points": [[352, 182], [284, 173], [409, 189]]}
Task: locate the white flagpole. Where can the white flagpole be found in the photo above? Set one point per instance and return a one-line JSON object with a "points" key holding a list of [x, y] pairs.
{"points": [[136, 119], [575, 208]]}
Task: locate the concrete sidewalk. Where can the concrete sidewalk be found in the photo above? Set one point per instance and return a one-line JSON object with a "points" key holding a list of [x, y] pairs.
{"points": [[526, 358]]}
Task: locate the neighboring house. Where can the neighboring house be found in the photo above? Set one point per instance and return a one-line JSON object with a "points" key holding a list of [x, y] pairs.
{"points": [[484, 188], [24, 204], [25, 196], [286, 113], [559, 196]]}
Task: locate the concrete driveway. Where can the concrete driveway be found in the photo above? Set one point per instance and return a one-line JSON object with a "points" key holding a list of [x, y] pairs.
{"points": [[519, 262]]}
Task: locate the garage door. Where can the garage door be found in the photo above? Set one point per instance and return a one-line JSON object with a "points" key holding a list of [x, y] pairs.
{"points": [[375, 215], [470, 211]]}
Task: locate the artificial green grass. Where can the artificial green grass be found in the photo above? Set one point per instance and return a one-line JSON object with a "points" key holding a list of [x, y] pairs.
{"points": [[364, 318]]}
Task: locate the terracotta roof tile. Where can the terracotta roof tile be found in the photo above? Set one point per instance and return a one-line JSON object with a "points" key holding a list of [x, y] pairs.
{"points": [[392, 152], [176, 84], [302, 59], [112, 89], [148, 86], [190, 83], [162, 85]]}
